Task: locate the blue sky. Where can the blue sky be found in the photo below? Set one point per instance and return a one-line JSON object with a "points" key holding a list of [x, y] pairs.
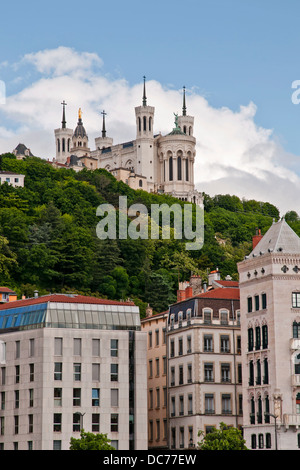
{"points": [[230, 52]]}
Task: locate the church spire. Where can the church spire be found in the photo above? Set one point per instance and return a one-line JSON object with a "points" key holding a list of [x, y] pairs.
{"points": [[184, 105], [103, 124], [144, 94], [63, 122]]}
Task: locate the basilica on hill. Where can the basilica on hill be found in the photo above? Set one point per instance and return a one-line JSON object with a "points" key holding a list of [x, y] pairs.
{"points": [[154, 163]]}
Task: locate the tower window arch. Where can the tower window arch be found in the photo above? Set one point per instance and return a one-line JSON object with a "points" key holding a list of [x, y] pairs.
{"points": [[150, 123], [144, 123], [179, 169], [69, 141], [139, 124], [190, 130], [184, 129], [186, 169], [171, 169], [140, 183], [63, 145], [58, 145]]}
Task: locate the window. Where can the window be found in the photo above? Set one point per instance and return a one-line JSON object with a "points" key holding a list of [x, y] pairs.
{"points": [[31, 347], [225, 347], [76, 422], [259, 410], [17, 375], [181, 405], [114, 368], [31, 372], [267, 409], [250, 339], [76, 396], [225, 372], [253, 441], [58, 397], [239, 373], [190, 404], [251, 373], [57, 422], [257, 338], [208, 343], [30, 423], [172, 348], [157, 366], [95, 397], [77, 347], [226, 404], [17, 399], [189, 375], [77, 372], [56, 445], [173, 408], [156, 337], [150, 339], [157, 429], [189, 344], [114, 422], [209, 403], [150, 368], [114, 397], [208, 372], [95, 422], [170, 169], [140, 183], [256, 300], [180, 375], [179, 174], [296, 299], [31, 392], [114, 344], [150, 430], [58, 346], [264, 301], [95, 372], [224, 317], [258, 369], [249, 302], [16, 422], [260, 441], [96, 347], [180, 347], [181, 438], [186, 169], [266, 371], [17, 353], [172, 376], [207, 316], [2, 400], [264, 330], [268, 441], [58, 371]]}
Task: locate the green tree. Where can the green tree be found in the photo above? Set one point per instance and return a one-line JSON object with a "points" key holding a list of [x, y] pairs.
{"points": [[90, 441], [225, 438]]}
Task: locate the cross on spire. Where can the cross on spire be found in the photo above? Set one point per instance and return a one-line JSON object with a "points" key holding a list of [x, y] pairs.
{"points": [[103, 124], [144, 94], [64, 122], [184, 105]]}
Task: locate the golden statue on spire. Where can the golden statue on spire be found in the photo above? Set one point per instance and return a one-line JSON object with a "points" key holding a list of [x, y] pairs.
{"points": [[79, 113]]}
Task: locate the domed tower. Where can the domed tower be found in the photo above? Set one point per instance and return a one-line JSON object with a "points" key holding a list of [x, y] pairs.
{"points": [[63, 139], [145, 164], [80, 139]]}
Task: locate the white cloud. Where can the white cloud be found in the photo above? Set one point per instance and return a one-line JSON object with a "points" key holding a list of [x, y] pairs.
{"points": [[234, 154]]}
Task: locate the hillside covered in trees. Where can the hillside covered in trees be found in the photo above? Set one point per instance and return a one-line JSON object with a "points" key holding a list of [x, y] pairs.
{"points": [[49, 243]]}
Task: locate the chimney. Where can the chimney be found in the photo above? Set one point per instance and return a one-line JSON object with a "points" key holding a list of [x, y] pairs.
{"points": [[256, 238], [149, 311], [214, 276], [36, 293], [196, 284]]}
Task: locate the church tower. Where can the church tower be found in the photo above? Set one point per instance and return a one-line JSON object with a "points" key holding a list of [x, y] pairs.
{"points": [[103, 142], [185, 122], [63, 138], [80, 139], [145, 162]]}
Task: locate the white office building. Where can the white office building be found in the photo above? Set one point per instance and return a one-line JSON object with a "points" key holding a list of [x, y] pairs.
{"points": [[70, 362]]}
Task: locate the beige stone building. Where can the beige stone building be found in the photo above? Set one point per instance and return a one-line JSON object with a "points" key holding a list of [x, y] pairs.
{"points": [[155, 327], [270, 330], [69, 362]]}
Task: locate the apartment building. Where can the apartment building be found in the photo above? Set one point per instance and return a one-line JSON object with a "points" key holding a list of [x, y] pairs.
{"points": [[155, 328], [204, 363], [70, 362]]}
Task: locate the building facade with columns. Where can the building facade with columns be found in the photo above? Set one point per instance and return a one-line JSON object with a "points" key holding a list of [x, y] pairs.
{"points": [[270, 332], [154, 163]]}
